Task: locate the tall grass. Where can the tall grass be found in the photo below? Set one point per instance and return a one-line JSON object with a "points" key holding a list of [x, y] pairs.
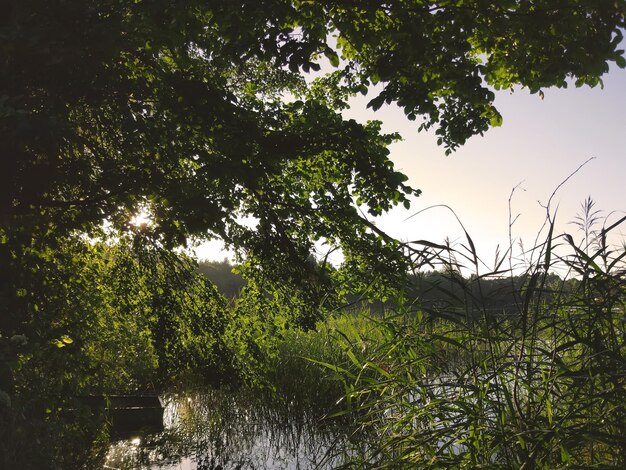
{"points": [[294, 371], [541, 384]]}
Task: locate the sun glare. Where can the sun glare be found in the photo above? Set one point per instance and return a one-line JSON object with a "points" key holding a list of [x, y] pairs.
{"points": [[141, 218]]}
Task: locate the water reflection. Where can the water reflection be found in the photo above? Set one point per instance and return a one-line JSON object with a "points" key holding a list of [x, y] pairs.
{"points": [[233, 430]]}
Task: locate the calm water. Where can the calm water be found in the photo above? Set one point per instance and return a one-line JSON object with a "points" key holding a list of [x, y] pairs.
{"points": [[225, 430]]}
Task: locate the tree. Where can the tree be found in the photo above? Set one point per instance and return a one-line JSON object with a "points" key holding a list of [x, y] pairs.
{"points": [[199, 111], [185, 107]]}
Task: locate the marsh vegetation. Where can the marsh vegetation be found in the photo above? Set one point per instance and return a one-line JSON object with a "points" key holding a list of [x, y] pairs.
{"points": [[497, 370]]}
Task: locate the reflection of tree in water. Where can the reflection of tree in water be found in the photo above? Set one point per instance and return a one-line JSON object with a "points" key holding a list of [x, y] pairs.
{"points": [[217, 429]]}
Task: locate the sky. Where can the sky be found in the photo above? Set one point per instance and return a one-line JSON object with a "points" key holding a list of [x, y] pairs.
{"points": [[540, 143]]}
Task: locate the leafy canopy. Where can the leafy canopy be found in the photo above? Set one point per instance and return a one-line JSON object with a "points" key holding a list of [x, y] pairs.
{"points": [[199, 109]]}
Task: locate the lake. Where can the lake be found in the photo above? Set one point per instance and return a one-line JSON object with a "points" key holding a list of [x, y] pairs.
{"points": [[221, 429]]}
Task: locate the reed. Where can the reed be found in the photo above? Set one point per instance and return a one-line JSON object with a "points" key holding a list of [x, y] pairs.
{"points": [[541, 384]]}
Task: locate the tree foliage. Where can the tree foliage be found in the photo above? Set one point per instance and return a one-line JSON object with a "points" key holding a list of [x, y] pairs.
{"points": [[200, 112], [121, 317]]}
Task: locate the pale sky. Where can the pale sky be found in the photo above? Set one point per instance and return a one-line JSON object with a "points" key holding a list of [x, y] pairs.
{"points": [[539, 144]]}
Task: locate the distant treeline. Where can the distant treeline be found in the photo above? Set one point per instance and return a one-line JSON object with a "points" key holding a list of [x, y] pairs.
{"points": [[450, 293], [436, 292], [221, 274]]}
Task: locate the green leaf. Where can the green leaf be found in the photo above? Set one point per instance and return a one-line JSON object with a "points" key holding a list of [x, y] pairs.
{"points": [[62, 341], [496, 120], [332, 57], [353, 358]]}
